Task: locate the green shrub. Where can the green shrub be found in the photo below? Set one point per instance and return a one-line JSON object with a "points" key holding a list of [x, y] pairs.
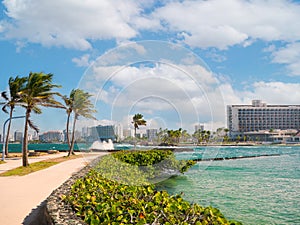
{"points": [[143, 158], [160, 162], [98, 200], [118, 191]]}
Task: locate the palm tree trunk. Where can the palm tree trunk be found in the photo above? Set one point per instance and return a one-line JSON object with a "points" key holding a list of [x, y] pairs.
{"points": [[71, 151], [68, 122], [8, 131], [135, 138], [24, 146]]}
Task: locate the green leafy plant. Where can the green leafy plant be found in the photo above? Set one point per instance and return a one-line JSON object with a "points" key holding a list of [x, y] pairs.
{"points": [[155, 164], [98, 200], [117, 191]]}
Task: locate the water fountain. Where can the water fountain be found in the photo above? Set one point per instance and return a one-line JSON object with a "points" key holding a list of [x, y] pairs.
{"points": [[98, 145]]}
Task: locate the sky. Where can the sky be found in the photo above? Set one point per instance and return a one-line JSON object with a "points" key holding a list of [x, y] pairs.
{"points": [[179, 63]]}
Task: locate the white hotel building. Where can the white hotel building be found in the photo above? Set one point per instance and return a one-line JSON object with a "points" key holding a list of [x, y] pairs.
{"points": [[260, 116]]}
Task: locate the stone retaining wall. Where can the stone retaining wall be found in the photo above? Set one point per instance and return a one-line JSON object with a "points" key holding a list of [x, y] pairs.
{"points": [[59, 212]]}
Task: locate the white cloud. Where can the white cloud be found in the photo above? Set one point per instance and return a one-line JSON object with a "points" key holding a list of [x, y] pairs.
{"points": [[277, 92], [184, 94], [290, 56], [83, 61], [269, 92], [215, 23], [217, 57], [71, 24], [221, 24]]}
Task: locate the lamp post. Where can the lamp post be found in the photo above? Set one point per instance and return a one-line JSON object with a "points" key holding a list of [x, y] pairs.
{"points": [[3, 147]]}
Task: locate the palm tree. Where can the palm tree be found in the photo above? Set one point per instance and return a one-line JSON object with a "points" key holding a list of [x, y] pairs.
{"points": [[198, 136], [69, 100], [185, 135], [37, 92], [80, 105], [177, 135], [207, 136], [137, 121], [15, 86], [226, 137]]}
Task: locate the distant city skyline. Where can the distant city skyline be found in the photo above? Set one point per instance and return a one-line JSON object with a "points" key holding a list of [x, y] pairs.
{"points": [[221, 53]]}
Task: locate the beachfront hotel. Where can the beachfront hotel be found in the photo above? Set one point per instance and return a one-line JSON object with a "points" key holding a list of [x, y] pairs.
{"points": [[260, 116]]}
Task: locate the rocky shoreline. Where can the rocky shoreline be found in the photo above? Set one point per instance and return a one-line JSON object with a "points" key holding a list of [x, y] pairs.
{"points": [[58, 211]]}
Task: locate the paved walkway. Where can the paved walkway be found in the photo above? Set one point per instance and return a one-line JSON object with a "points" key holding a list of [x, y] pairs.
{"points": [[19, 195]]}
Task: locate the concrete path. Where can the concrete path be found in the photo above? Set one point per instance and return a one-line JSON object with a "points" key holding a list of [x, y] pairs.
{"points": [[17, 161], [19, 195]]}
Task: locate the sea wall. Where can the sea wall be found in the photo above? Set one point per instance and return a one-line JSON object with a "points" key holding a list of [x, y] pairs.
{"points": [[59, 212]]}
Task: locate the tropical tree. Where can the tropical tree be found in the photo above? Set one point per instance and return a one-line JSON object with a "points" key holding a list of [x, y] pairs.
{"points": [[38, 91], [226, 138], [171, 137], [79, 104], [69, 101], [198, 135], [202, 135], [185, 135], [177, 135], [162, 135], [137, 121], [207, 136], [12, 98]]}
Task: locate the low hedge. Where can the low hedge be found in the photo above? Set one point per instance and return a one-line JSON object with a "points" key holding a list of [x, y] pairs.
{"points": [[119, 192]]}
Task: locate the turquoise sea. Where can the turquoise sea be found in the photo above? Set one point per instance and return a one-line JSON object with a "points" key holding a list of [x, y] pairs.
{"points": [[263, 190], [14, 148]]}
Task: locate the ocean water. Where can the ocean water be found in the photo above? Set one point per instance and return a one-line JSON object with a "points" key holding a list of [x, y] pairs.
{"points": [[15, 148], [263, 190]]}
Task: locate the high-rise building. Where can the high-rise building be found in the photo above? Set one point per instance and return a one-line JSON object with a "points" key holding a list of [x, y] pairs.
{"points": [[118, 128], [18, 136], [84, 132], [106, 132], [260, 116], [52, 136], [151, 134], [128, 133], [199, 127], [66, 136]]}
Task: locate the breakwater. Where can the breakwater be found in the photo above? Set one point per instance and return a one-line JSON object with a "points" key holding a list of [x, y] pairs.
{"points": [[234, 157]]}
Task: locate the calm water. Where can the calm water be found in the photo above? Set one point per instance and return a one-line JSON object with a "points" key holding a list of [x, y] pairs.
{"points": [[263, 190]]}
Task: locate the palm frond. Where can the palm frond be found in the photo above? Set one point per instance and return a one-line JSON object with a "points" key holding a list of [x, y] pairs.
{"points": [[33, 126], [4, 95], [4, 109], [36, 110], [81, 104]]}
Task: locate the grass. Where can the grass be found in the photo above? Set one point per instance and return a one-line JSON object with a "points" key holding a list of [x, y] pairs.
{"points": [[2, 162], [33, 167]]}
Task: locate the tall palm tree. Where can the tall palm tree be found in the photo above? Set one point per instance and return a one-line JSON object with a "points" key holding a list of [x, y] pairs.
{"points": [[137, 121], [38, 91], [11, 100], [80, 105], [69, 101]]}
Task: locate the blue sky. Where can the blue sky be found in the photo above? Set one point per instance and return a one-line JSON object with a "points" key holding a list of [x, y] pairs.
{"points": [[203, 56]]}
